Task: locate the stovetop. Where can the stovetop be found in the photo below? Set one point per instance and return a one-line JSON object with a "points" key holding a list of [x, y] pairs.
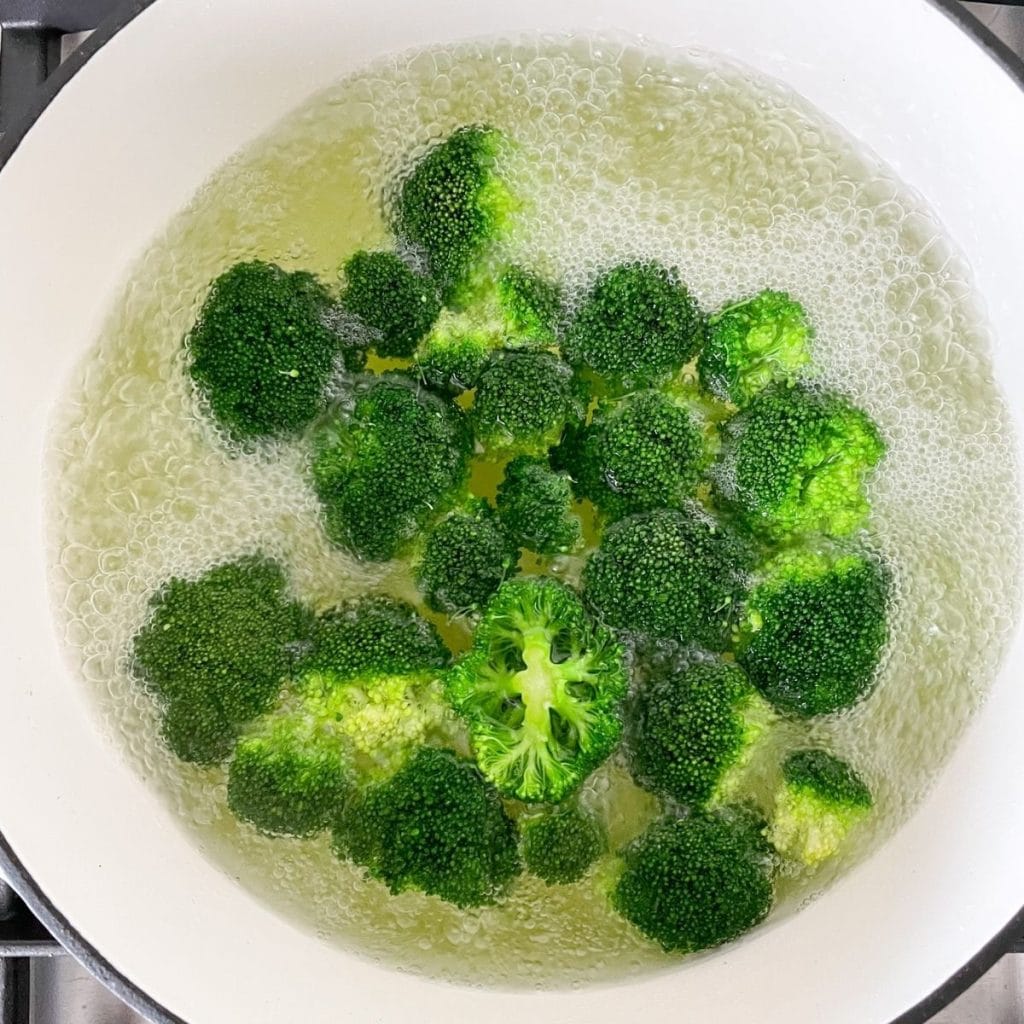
{"points": [[39, 982]]}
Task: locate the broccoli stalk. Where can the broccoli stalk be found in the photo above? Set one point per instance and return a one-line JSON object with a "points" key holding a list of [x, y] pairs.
{"points": [[540, 689], [820, 800]]}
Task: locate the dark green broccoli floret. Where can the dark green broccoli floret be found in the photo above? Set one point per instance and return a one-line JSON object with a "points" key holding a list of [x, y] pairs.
{"points": [[399, 305], [541, 690], [645, 452], [820, 800], [452, 204], [465, 558], [667, 574], [215, 652], [795, 461], [523, 402], [696, 882], [754, 343], [636, 327], [451, 357], [535, 504], [530, 305], [383, 467], [288, 777], [374, 636], [435, 825], [260, 350], [691, 730], [813, 630], [560, 845]]}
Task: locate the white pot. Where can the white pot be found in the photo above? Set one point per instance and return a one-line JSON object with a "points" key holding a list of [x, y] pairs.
{"points": [[109, 161]]}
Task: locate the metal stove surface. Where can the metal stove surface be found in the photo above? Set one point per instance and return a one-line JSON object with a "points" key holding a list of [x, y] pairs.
{"points": [[39, 982]]}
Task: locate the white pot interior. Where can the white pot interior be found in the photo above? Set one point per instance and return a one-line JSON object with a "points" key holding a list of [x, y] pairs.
{"points": [[113, 158]]}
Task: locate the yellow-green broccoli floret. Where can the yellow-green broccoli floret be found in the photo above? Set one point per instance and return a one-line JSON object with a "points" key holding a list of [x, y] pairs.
{"points": [[435, 825], [523, 402], [215, 652], [647, 451], [795, 461], [691, 730], [754, 343], [813, 629], [696, 882], [535, 503], [668, 574], [386, 464], [452, 355], [452, 204], [465, 558], [820, 800], [637, 327], [261, 352], [541, 690], [560, 845], [396, 303]]}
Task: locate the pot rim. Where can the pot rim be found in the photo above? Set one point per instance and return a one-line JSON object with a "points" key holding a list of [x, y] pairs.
{"points": [[32, 893]]}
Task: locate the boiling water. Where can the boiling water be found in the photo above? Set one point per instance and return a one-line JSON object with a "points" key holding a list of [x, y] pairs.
{"points": [[622, 154]]}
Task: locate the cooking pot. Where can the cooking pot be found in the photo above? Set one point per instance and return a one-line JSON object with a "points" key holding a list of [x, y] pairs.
{"points": [[162, 95]]}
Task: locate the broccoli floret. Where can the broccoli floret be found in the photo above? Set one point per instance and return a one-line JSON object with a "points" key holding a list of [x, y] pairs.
{"points": [[540, 689], [813, 629], [696, 882], [451, 357], [216, 650], [692, 730], [560, 845], [260, 350], [667, 574], [535, 504], [288, 777], [636, 327], [452, 204], [531, 306], [466, 556], [519, 310], [645, 452], [820, 800], [383, 467], [754, 343], [795, 461], [399, 305], [435, 825], [524, 401]]}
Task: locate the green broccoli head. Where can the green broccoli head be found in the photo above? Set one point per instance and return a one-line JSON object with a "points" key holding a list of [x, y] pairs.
{"points": [[820, 800], [540, 689], [754, 343], [524, 401], [465, 558], [261, 353], [215, 652], [813, 629], [383, 466], [452, 204], [452, 355], [530, 305], [288, 777], [644, 452], [668, 574], [397, 304], [636, 327], [795, 461], [535, 504], [435, 825], [691, 730], [696, 882], [560, 845]]}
